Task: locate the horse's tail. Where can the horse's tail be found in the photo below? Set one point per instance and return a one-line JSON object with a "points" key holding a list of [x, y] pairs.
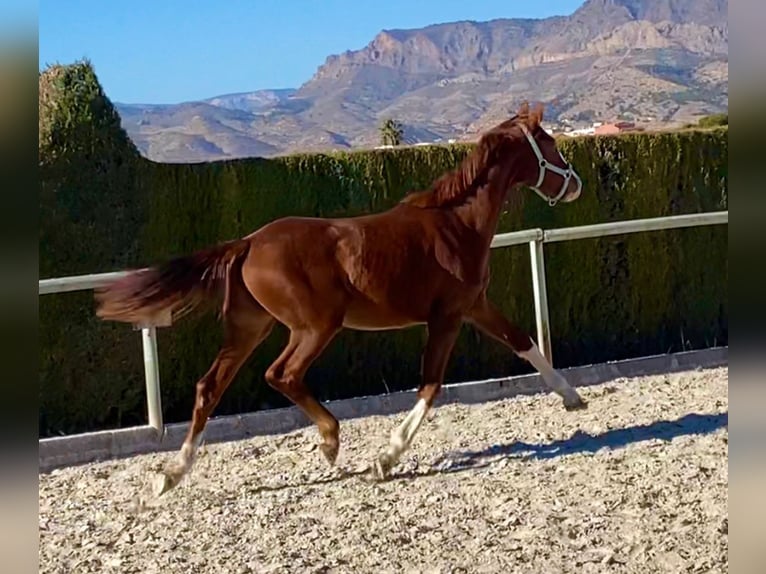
{"points": [[175, 287]]}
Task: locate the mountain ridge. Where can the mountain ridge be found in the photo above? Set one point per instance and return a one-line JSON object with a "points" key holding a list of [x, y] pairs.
{"points": [[644, 60]]}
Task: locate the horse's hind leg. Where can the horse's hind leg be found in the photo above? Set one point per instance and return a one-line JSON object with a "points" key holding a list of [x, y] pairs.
{"points": [[492, 322], [246, 325], [442, 334], [286, 375]]}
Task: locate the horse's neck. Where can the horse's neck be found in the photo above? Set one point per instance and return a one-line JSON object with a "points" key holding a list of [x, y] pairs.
{"points": [[481, 212]]}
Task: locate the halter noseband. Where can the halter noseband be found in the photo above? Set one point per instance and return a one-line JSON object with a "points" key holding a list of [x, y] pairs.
{"points": [[567, 173]]}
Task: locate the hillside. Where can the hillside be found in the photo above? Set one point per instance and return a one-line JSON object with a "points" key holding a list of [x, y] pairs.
{"points": [[652, 61]]}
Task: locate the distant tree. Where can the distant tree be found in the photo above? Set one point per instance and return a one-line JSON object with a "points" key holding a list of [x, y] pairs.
{"points": [[391, 132], [714, 120]]}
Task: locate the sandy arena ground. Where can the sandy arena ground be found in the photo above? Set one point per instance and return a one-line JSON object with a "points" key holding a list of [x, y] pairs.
{"points": [[637, 483]]}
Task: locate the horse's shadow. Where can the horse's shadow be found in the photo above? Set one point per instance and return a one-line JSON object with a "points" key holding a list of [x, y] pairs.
{"points": [[579, 442], [582, 442]]}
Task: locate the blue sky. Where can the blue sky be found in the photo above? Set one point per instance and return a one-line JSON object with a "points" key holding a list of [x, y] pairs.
{"points": [[169, 51]]}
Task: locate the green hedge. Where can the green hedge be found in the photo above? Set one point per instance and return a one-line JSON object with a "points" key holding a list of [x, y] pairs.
{"points": [[92, 205], [610, 298]]}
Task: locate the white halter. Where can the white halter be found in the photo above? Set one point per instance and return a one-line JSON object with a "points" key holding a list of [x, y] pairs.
{"points": [[567, 173]]}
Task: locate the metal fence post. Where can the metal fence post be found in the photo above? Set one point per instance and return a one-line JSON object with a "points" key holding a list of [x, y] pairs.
{"points": [[537, 260], [152, 373]]}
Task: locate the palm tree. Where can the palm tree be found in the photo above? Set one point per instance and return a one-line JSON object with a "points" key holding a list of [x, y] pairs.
{"points": [[390, 132]]}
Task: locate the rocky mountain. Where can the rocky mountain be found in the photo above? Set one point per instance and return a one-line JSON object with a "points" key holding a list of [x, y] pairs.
{"points": [[651, 61]]}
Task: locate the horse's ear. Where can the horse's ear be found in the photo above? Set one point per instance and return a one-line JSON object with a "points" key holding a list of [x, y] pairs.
{"points": [[523, 109], [536, 117]]}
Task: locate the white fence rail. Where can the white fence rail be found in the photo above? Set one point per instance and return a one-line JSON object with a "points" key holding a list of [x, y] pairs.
{"points": [[536, 238]]}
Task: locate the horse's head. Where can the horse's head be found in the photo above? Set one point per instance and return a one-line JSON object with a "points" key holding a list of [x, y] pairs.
{"points": [[544, 169]]}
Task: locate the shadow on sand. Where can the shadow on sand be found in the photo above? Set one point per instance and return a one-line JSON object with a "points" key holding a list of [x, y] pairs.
{"points": [[579, 442], [582, 442]]}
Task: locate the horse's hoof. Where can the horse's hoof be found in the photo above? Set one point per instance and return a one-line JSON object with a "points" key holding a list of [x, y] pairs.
{"points": [[579, 404], [163, 483], [167, 480], [330, 451], [382, 466]]}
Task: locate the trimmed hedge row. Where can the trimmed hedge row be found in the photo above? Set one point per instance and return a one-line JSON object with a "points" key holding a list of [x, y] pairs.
{"points": [[92, 205], [610, 298]]}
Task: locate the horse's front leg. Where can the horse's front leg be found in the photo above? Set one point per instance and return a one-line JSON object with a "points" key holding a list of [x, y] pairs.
{"points": [[442, 334], [491, 321]]}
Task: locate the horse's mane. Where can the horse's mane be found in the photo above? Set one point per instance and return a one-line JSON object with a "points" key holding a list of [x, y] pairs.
{"points": [[455, 186]]}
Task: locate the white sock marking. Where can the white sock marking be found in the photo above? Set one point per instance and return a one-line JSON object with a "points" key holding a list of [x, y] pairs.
{"points": [[187, 454], [551, 376], [401, 437]]}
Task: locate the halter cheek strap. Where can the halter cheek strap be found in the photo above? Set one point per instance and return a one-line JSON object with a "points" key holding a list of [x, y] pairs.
{"points": [[567, 173]]}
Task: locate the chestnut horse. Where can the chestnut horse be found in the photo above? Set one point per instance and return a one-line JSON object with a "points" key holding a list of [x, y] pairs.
{"points": [[422, 262]]}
